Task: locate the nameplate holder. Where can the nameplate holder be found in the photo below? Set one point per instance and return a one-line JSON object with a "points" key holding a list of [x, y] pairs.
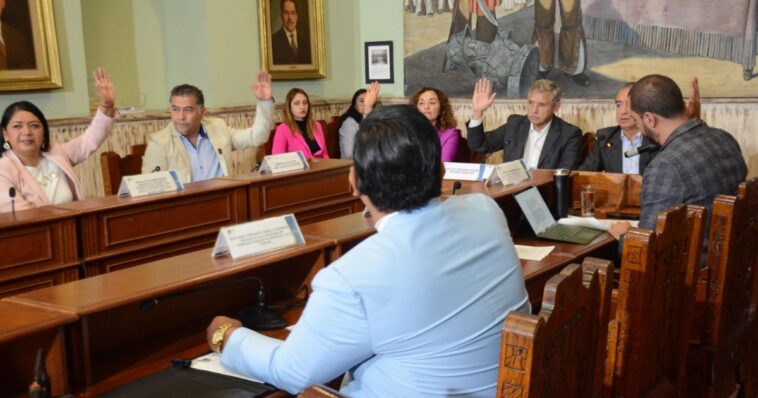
{"points": [[466, 171], [258, 237], [150, 184], [284, 162], [509, 173]]}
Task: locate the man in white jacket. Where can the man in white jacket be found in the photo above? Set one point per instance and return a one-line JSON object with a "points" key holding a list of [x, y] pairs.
{"points": [[200, 147]]}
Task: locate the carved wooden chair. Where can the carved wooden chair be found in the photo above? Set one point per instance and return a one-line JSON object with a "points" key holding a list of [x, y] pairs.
{"points": [[466, 155], [726, 292], [114, 167], [647, 338], [319, 391], [332, 136], [561, 351]]}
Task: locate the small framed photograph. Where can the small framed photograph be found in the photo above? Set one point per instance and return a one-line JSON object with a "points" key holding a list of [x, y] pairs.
{"points": [[379, 63], [28, 46], [292, 38]]}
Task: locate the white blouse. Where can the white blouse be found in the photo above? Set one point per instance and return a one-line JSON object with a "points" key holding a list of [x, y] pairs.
{"points": [[52, 181]]}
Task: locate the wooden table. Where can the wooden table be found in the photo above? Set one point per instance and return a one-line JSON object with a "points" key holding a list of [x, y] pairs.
{"points": [[319, 193], [123, 334], [117, 232], [39, 248], [23, 330]]}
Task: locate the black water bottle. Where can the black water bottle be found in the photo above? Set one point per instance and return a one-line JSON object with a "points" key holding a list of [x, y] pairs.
{"points": [[561, 193]]}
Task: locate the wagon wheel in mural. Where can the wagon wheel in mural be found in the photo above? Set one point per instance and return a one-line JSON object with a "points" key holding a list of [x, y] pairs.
{"points": [[511, 67]]}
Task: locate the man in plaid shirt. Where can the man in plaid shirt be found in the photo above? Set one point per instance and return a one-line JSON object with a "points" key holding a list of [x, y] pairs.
{"points": [[695, 163]]}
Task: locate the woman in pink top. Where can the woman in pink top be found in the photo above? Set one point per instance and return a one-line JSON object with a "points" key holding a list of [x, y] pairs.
{"points": [[299, 132], [39, 170], [435, 105]]}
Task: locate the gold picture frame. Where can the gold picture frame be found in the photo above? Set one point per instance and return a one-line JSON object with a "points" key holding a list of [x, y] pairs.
{"points": [[284, 60], [29, 57]]}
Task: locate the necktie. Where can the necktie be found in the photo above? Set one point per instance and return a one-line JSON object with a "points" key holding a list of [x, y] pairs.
{"points": [[293, 43]]}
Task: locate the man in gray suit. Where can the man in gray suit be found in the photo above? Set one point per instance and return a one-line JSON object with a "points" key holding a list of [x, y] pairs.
{"points": [[541, 139]]}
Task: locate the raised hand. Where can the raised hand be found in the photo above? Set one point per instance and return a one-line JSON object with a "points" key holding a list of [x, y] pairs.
{"points": [[106, 94], [262, 87], [372, 93], [692, 105], [482, 99]]}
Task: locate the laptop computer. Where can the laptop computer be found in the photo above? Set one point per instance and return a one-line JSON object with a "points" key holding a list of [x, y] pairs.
{"points": [[544, 225]]}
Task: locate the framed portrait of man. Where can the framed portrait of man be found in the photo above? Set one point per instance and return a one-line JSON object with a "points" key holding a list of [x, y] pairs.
{"points": [[292, 38], [28, 46]]}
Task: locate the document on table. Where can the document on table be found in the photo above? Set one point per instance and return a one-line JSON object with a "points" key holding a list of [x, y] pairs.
{"points": [[211, 362], [534, 253], [592, 222]]}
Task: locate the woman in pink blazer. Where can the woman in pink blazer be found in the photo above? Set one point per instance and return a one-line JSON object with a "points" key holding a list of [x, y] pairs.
{"points": [[39, 170], [299, 132], [435, 105]]}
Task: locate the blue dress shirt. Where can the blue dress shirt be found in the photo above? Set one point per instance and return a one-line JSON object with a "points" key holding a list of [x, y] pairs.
{"points": [[415, 310], [203, 157]]}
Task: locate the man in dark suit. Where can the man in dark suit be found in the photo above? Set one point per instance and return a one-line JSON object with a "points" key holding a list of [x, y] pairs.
{"points": [[290, 45], [541, 139], [612, 142]]}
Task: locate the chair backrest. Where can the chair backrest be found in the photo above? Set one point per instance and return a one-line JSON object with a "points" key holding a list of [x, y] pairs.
{"points": [[609, 188], [332, 136], [726, 292], [561, 351], [114, 167], [647, 340], [588, 142], [465, 154], [319, 391]]}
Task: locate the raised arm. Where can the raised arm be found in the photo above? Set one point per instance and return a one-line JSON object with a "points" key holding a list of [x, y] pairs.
{"points": [[260, 131], [372, 94], [80, 148], [482, 98]]}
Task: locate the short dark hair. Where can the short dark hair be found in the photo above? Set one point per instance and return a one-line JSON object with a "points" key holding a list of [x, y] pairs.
{"points": [[31, 108], [657, 94], [397, 159], [281, 5], [185, 90]]}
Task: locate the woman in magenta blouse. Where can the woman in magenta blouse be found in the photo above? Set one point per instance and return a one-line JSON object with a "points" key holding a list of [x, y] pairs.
{"points": [[299, 131], [435, 105]]}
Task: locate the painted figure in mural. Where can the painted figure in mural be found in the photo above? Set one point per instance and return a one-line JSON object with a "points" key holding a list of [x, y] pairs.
{"points": [[572, 48], [426, 7], [16, 42], [289, 44]]}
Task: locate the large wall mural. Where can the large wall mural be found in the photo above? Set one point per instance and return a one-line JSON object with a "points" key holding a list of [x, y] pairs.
{"points": [[590, 47]]}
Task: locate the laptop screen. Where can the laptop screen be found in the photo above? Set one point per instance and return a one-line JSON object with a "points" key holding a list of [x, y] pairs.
{"points": [[535, 209]]}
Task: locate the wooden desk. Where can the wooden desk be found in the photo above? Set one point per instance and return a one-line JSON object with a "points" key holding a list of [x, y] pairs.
{"points": [[319, 193], [118, 232], [345, 232], [121, 337], [614, 192], [23, 330], [39, 248]]}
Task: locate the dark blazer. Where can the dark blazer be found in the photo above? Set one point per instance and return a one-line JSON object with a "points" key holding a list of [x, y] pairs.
{"points": [[282, 51], [607, 154], [561, 150]]}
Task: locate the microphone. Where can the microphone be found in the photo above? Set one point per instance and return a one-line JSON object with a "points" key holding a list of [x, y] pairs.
{"points": [[258, 317], [12, 194], [632, 152], [40, 387], [156, 169], [456, 186]]}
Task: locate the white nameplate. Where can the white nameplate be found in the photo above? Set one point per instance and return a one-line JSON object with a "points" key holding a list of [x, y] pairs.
{"points": [[257, 237], [509, 173], [150, 184], [466, 171], [290, 161]]}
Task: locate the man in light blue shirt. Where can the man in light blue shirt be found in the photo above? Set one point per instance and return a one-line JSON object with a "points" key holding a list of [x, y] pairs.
{"points": [[415, 310]]}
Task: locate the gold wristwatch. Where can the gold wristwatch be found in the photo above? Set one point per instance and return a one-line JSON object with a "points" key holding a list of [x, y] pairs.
{"points": [[217, 341]]}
